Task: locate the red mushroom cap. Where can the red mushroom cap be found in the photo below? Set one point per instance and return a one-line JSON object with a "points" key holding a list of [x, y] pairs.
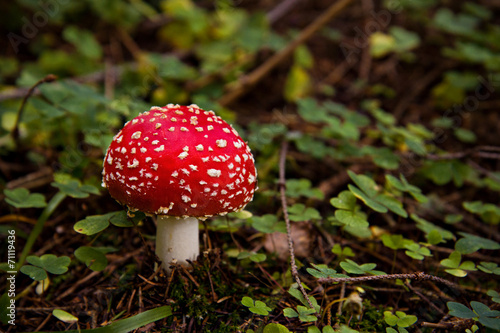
{"points": [[180, 161]]}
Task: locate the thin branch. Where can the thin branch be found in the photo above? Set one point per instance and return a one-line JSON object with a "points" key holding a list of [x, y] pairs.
{"points": [[282, 186], [15, 130], [240, 87], [418, 276]]}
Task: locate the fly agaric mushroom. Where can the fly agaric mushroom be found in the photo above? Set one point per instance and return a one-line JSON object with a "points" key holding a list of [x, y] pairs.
{"points": [[179, 163]]}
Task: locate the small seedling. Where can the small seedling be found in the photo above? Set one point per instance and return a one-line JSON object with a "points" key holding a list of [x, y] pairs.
{"points": [[257, 307]]}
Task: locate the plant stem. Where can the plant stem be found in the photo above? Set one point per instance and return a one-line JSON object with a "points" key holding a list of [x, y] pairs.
{"points": [[282, 186], [49, 209]]}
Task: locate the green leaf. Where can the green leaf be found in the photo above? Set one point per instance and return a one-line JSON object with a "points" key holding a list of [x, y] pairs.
{"points": [[353, 268], [390, 318], [75, 189], [434, 237], [267, 223], [247, 301], [253, 256], [93, 258], [472, 243], [428, 227], [51, 263], [453, 260], [123, 220], [306, 314], [365, 183], [368, 193], [345, 200], [460, 310], [64, 316], [275, 328], [483, 310], [296, 188], [489, 267], [257, 307], [459, 24], [323, 271], [297, 84], [36, 273], [290, 313], [346, 251], [21, 198], [299, 212], [354, 219], [84, 42], [384, 158], [367, 200], [453, 218], [417, 252], [495, 296], [130, 324], [395, 242], [93, 224], [465, 135], [407, 321]]}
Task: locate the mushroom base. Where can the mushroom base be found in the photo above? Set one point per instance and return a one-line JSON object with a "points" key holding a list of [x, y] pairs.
{"points": [[177, 239]]}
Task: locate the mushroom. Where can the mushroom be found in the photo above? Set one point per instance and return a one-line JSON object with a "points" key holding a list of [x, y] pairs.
{"points": [[180, 163]]}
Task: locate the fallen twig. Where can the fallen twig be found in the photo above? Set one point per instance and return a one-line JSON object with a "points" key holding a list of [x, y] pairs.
{"points": [[240, 87], [418, 276]]}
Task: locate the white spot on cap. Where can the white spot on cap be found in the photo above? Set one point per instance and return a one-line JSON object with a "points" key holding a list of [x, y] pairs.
{"points": [[171, 129], [119, 139], [199, 147], [184, 129], [225, 129], [173, 119], [132, 150], [143, 150], [110, 160], [186, 199], [202, 182], [183, 155], [161, 148], [209, 127], [123, 150], [214, 172], [154, 166], [175, 174], [158, 125], [237, 158], [134, 164], [237, 144], [251, 179], [199, 129], [221, 143], [155, 142], [136, 135], [148, 158], [193, 167], [230, 166]]}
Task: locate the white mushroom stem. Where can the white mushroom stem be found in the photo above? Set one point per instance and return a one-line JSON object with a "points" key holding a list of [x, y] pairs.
{"points": [[176, 239]]}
